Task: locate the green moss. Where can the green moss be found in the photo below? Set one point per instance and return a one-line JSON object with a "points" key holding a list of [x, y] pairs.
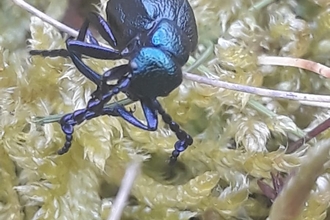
{"points": [[236, 139]]}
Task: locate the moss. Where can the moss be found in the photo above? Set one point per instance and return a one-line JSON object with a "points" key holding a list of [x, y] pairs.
{"points": [[232, 137], [14, 22]]}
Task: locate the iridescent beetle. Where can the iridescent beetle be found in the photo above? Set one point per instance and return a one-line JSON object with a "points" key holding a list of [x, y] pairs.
{"points": [[156, 37]]}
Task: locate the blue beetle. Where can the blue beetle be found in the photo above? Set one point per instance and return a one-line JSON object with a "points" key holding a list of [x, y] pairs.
{"points": [[156, 37]]}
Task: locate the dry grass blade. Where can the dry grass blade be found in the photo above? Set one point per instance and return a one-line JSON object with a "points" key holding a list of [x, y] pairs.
{"points": [[131, 173], [296, 62], [290, 202]]}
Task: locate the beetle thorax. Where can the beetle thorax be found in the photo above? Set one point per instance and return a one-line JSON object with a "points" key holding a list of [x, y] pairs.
{"points": [[154, 73]]}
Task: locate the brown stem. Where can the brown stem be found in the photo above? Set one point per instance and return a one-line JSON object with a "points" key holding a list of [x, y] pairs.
{"points": [[312, 134]]}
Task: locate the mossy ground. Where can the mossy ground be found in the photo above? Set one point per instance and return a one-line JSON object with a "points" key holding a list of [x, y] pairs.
{"points": [[235, 143]]}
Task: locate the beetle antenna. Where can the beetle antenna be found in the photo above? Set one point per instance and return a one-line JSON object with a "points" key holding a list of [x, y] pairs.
{"points": [[50, 53], [185, 140]]}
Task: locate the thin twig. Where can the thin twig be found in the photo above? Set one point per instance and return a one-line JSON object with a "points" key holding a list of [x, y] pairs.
{"points": [[318, 68], [258, 91], [310, 135], [46, 18], [316, 104], [124, 190]]}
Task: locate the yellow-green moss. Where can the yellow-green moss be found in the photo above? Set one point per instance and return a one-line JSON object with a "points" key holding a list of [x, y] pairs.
{"points": [[216, 177]]}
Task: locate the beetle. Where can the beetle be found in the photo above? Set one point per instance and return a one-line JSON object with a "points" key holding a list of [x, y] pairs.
{"points": [[156, 37]]}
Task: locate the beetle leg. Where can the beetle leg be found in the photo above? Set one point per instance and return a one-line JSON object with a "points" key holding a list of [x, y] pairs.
{"points": [[184, 139], [70, 120], [83, 33], [103, 28], [149, 113], [82, 67], [95, 108], [115, 73], [100, 80], [92, 50], [86, 70]]}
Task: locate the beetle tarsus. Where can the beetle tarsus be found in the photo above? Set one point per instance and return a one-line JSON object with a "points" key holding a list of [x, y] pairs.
{"points": [[95, 107]]}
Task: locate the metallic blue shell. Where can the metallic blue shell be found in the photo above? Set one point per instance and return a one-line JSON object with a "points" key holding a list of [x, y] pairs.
{"points": [[139, 16]]}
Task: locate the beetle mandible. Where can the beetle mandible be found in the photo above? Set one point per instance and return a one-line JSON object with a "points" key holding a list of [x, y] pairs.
{"points": [[156, 37]]}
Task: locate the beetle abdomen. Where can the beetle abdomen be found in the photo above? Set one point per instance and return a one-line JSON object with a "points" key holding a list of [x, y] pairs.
{"points": [[141, 15]]}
